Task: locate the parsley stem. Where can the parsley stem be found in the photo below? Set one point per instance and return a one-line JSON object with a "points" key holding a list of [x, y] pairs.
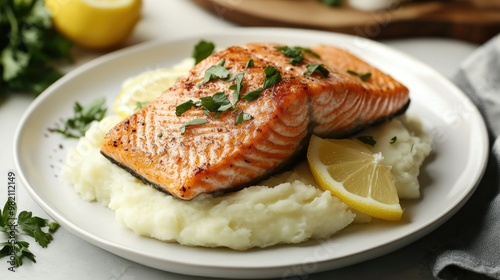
{"points": [[14, 32]]}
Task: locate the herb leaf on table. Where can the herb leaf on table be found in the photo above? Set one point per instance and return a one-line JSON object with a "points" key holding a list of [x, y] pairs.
{"points": [[38, 228]]}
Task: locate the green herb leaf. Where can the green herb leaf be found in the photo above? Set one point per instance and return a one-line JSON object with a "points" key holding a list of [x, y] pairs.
{"points": [[393, 140], [369, 140], [216, 103], [294, 53], [202, 50], [30, 225], [237, 87], [183, 107], [273, 77], [19, 250], [363, 76], [6, 249], [252, 95], [250, 63], [76, 126], [311, 68], [221, 100], [242, 116], [196, 121], [9, 211], [209, 104], [214, 72], [13, 63]]}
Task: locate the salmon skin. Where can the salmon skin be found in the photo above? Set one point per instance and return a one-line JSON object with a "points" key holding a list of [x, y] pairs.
{"points": [[221, 154]]}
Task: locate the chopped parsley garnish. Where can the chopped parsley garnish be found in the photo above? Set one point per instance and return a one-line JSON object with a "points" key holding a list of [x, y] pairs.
{"points": [[180, 109], [159, 135], [252, 95], [249, 63], [202, 50], [273, 77], [393, 140], [242, 116], [215, 105], [311, 68], [196, 121], [76, 126], [369, 140], [28, 224], [295, 53], [237, 87], [363, 76], [215, 71]]}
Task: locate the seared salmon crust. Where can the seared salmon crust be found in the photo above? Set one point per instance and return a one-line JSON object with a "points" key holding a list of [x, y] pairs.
{"points": [[222, 155]]}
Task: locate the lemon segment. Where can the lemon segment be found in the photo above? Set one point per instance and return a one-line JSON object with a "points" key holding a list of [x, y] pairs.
{"points": [[355, 175], [139, 90], [95, 24]]}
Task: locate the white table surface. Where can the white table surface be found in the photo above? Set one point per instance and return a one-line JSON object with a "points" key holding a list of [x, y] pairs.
{"points": [[69, 257]]}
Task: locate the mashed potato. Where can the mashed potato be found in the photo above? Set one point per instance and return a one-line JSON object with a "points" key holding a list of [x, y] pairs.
{"points": [[404, 146], [287, 208]]}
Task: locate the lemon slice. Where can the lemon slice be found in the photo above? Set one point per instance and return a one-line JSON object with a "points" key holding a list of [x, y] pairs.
{"points": [[139, 90], [355, 175], [95, 24]]}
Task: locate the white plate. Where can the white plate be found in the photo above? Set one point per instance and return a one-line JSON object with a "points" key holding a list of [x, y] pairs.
{"points": [[448, 179]]}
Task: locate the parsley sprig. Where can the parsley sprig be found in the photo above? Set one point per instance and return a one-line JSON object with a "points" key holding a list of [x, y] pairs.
{"points": [[363, 76], [76, 126], [215, 104], [202, 50], [196, 121], [295, 53], [29, 45], [215, 71], [296, 56], [38, 228], [273, 77], [312, 68]]}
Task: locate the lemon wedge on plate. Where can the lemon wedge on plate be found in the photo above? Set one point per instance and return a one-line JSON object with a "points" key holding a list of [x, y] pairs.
{"points": [[139, 90], [355, 175], [95, 24]]}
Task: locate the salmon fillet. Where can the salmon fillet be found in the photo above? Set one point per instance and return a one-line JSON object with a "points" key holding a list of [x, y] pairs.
{"points": [[219, 155]]}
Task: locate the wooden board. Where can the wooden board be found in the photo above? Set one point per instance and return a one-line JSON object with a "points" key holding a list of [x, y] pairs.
{"points": [[453, 19]]}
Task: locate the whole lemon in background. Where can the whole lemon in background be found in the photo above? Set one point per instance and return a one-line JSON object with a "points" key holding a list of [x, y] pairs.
{"points": [[95, 24]]}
